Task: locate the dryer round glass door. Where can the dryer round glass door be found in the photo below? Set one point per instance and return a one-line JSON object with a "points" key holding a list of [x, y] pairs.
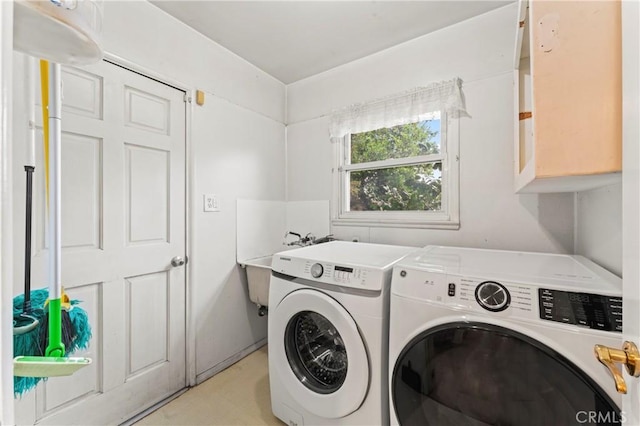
{"points": [[482, 374], [319, 353], [316, 352]]}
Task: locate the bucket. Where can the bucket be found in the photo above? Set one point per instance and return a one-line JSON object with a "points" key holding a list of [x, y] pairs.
{"points": [[63, 31]]}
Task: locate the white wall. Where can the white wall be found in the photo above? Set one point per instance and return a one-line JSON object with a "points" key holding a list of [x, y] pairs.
{"points": [[599, 226], [480, 51], [239, 155], [237, 151], [146, 35]]}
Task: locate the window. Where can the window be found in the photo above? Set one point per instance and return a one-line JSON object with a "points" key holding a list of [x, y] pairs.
{"points": [[397, 159], [404, 175]]}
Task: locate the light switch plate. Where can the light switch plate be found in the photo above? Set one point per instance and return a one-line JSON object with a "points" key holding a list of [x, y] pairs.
{"points": [[211, 203]]}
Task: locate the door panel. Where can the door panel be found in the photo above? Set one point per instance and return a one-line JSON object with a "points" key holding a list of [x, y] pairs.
{"points": [[123, 219], [148, 192], [81, 207], [86, 96], [147, 111], [147, 334]]}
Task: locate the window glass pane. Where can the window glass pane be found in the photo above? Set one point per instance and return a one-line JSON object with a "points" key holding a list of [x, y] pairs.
{"points": [[397, 188], [407, 140]]}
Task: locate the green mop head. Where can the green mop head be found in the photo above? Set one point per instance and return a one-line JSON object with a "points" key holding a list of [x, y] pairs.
{"points": [[76, 335]]}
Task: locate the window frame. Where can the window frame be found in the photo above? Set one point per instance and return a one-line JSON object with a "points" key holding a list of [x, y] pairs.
{"points": [[449, 215]]}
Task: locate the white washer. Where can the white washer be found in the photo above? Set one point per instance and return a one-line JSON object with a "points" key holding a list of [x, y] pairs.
{"points": [[483, 337], [328, 333]]}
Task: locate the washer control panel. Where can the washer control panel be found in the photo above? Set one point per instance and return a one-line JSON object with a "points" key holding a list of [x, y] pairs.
{"points": [[595, 311], [343, 275], [336, 273], [474, 294], [507, 299], [348, 276]]}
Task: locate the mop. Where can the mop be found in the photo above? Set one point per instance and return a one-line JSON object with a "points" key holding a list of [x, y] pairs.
{"points": [[53, 363], [26, 318]]}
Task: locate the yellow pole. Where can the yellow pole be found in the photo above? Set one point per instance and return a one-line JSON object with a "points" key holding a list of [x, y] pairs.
{"points": [[44, 90]]}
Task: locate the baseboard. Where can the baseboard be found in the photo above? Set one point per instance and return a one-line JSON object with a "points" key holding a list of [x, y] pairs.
{"points": [[207, 374]]}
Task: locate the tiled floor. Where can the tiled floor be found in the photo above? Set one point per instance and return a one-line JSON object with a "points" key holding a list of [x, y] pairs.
{"points": [[238, 395]]}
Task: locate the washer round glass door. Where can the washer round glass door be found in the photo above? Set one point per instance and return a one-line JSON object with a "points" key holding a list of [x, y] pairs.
{"points": [[316, 352], [320, 356], [470, 374]]}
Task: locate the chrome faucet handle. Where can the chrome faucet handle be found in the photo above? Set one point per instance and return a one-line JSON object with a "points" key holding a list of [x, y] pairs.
{"points": [[298, 242]]}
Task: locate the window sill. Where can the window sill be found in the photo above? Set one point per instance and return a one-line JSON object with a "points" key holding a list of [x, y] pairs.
{"points": [[396, 223]]}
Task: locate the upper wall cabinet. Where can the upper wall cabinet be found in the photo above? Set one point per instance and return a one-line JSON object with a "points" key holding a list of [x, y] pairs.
{"points": [[568, 95]]}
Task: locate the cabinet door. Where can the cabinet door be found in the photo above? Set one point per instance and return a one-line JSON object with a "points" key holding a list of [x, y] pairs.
{"points": [[570, 81]]}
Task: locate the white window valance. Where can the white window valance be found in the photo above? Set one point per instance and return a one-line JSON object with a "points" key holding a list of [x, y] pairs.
{"points": [[409, 107]]}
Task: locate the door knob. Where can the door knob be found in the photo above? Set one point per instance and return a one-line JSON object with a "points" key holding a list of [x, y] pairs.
{"points": [[178, 261], [628, 355]]}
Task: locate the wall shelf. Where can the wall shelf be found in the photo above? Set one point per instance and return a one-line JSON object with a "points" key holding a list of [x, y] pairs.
{"points": [[568, 95]]}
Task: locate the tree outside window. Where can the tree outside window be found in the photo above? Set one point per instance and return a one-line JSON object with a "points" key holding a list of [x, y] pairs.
{"points": [[407, 186]]}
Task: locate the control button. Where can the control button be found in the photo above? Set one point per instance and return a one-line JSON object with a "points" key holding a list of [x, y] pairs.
{"points": [[403, 273], [452, 290], [599, 325]]}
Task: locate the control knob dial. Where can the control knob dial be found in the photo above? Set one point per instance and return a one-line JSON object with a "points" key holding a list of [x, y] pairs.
{"points": [[316, 270], [493, 296]]}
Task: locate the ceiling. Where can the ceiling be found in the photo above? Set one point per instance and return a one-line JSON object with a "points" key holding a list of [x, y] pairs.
{"points": [[292, 40]]}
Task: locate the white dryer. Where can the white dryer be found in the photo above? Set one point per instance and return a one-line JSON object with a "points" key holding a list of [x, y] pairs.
{"points": [[328, 333], [489, 337]]}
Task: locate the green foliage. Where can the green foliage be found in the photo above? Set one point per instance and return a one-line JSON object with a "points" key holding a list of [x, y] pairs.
{"points": [[396, 188]]}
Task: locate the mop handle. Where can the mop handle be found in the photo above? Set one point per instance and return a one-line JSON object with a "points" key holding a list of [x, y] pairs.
{"points": [[56, 347], [26, 307]]}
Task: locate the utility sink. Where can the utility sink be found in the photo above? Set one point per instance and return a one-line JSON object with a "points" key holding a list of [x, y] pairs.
{"points": [[258, 277]]}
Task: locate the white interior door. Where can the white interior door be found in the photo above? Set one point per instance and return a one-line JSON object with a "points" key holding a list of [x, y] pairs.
{"points": [[123, 221], [631, 196]]}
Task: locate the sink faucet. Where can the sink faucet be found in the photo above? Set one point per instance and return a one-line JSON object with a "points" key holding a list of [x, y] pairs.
{"points": [[301, 241], [308, 239], [292, 243]]}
